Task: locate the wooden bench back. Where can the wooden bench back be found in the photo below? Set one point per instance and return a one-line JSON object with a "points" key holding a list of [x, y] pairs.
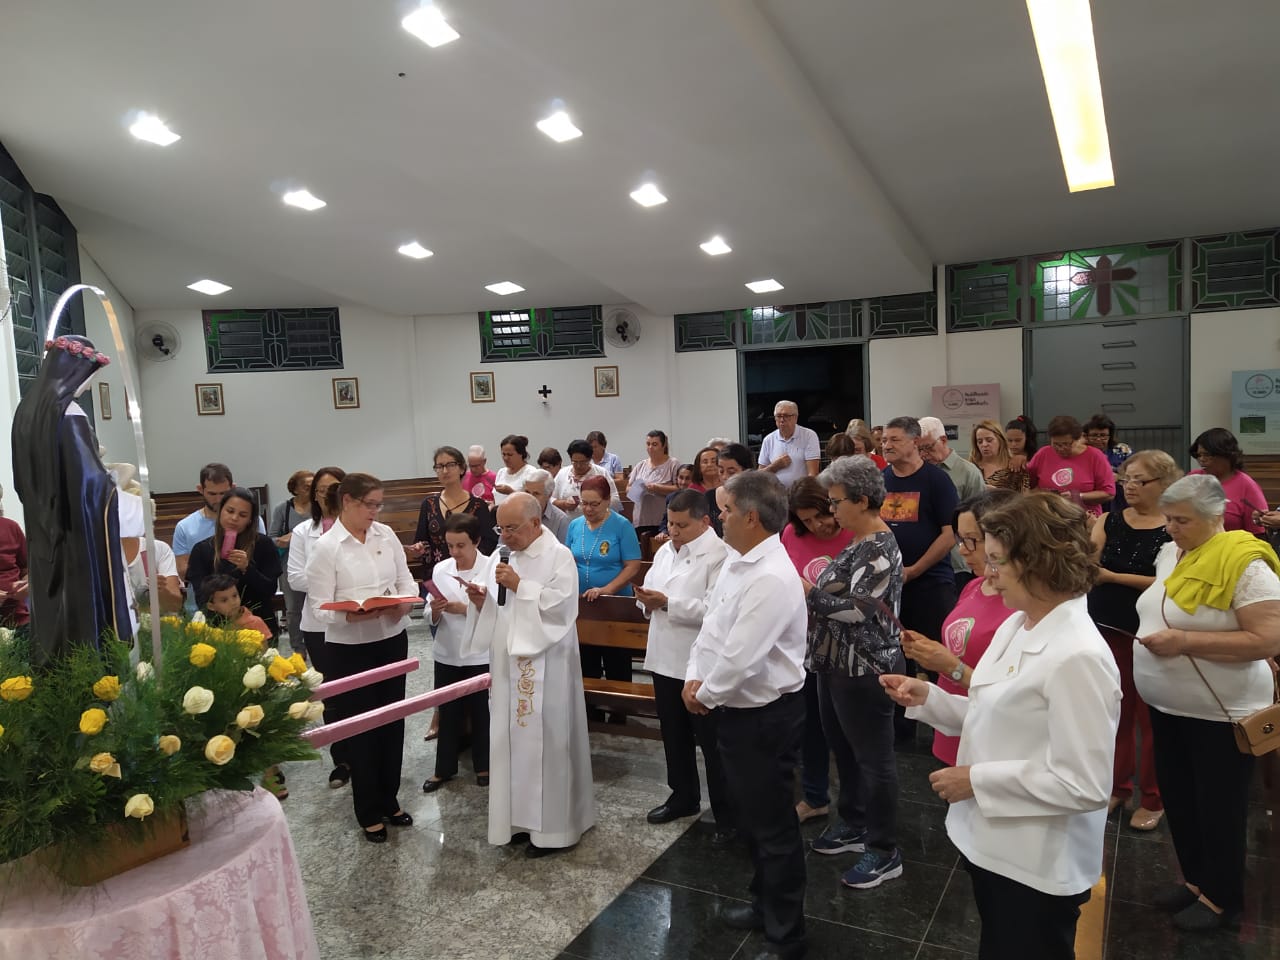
{"points": [[612, 622]]}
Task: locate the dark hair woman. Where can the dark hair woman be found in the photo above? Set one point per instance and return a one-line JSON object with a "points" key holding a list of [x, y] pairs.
{"points": [[1022, 437], [1070, 467], [1219, 455], [515, 467], [651, 481], [287, 515], [705, 470], [452, 500], [236, 549]]}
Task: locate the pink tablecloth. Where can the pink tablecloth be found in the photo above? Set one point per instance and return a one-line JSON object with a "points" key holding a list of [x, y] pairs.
{"points": [[235, 893]]}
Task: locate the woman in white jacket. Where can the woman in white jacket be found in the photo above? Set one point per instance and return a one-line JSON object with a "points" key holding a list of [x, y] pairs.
{"points": [[1029, 790]]}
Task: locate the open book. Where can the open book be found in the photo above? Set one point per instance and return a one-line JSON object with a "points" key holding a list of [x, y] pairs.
{"points": [[368, 604]]}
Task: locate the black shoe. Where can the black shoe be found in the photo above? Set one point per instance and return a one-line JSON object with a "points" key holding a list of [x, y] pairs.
{"points": [[774, 951], [517, 839], [671, 811], [339, 776], [536, 853], [432, 785], [400, 819], [375, 836], [482, 779], [1175, 899], [722, 838], [741, 916], [1198, 918]]}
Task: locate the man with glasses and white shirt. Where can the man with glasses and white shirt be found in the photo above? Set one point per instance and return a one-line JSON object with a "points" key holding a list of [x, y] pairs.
{"points": [[791, 451]]}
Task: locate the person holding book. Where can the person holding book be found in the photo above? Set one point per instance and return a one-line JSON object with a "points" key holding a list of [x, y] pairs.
{"points": [[238, 549]]}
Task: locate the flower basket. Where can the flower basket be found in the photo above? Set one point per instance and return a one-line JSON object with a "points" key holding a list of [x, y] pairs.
{"points": [[122, 847]]}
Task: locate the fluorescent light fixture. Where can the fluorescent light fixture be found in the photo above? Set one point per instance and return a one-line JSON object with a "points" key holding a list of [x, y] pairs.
{"points": [[415, 250], [152, 129], [429, 26], [209, 287], [715, 246], [559, 127], [648, 195], [505, 288], [764, 286], [1064, 40], [304, 199]]}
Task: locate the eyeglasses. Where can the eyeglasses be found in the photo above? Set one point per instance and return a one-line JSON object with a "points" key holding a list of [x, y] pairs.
{"points": [[508, 530], [784, 416], [835, 502], [445, 466], [969, 543], [374, 505], [995, 563], [592, 504], [1135, 482]]}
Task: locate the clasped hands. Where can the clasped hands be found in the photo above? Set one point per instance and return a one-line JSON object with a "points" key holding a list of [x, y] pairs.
{"points": [[690, 698]]}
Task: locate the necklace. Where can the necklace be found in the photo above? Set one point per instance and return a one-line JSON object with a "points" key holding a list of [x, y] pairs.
{"points": [[446, 509], [588, 554]]}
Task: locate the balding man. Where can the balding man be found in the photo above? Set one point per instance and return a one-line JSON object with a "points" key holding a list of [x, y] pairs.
{"points": [[791, 451], [525, 619], [479, 479]]}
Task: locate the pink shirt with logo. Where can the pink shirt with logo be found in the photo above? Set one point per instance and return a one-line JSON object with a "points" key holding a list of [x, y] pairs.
{"points": [[811, 554], [1087, 471], [967, 633], [479, 484]]}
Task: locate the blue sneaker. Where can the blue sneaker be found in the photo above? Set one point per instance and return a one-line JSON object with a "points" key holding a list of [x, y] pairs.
{"points": [[840, 838], [873, 869]]}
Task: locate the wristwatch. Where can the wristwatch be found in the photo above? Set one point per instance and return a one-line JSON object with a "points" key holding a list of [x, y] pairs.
{"points": [[958, 673]]}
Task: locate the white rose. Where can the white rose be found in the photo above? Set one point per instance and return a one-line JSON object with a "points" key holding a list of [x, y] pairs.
{"points": [[197, 700], [249, 717], [312, 678], [298, 710], [145, 670], [255, 677], [198, 617], [315, 710], [270, 655], [144, 621], [139, 805], [5, 634]]}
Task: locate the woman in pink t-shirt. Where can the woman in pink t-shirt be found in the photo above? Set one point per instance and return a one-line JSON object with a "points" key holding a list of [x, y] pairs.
{"points": [[1219, 455], [1073, 468], [968, 629]]}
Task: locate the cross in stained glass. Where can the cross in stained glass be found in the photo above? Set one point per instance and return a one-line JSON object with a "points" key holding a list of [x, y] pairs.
{"points": [[1100, 278]]}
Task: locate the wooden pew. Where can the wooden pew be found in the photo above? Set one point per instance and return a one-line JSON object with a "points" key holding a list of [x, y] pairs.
{"points": [[617, 622]]}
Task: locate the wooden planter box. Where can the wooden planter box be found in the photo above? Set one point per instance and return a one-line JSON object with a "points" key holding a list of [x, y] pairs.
{"points": [[122, 848]]}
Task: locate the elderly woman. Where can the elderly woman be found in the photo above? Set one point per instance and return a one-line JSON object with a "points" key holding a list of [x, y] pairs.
{"points": [[1126, 545], [1207, 626], [705, 470], [853, 639], [1071, 467], [1218, 453], [1029, 792], [989, 452]]}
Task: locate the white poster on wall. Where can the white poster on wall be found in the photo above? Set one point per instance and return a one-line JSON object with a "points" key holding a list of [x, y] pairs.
{"points": [[960, 406], [1255, 410]]}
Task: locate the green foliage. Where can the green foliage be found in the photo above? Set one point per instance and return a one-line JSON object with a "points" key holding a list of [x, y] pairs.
{"points": [[49, 792]]}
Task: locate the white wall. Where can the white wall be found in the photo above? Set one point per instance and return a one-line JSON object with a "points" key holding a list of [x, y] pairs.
{"points": [[116, 435], [1221, 343]]}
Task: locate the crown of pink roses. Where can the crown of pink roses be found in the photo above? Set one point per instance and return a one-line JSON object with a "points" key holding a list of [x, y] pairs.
{"points": [[78, 349]]}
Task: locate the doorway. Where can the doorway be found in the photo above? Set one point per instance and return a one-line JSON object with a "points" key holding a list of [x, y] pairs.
{"points": [[826, 383]]}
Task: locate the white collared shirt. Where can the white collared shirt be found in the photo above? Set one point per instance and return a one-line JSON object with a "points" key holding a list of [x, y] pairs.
{"points": [[569, 486], [450, 633], [686, 576], [303, 537], [340, 567], [802, 446], [750, 650]]}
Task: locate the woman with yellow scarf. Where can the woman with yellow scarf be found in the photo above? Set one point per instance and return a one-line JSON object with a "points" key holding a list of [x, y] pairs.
{"points": [[1208, 627]]}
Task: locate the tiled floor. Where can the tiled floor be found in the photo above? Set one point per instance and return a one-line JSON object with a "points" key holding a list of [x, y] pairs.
{"points": [[632, 890]]}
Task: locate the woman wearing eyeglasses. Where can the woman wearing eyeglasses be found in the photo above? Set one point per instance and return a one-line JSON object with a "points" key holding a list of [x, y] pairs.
{"points": [[1070, 467], [360, 558], [1218, 453], [453, 499]]}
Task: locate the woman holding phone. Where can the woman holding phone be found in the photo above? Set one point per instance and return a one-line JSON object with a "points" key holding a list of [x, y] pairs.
{"points": [[236, 549]]}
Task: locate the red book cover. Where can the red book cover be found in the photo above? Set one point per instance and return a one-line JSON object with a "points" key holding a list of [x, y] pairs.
{"points": [[369, 603]]}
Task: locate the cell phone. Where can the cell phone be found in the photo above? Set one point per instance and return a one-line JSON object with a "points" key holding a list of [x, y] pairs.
{"points": [[434, 591], [228, 543]]}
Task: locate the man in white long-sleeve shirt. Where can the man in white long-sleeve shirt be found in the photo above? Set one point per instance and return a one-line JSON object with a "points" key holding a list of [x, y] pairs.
{"points": [[674, 598], [747, 664]]}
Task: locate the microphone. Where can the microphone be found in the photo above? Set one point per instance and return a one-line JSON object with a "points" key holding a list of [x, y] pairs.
{"points": [[504, 556]]}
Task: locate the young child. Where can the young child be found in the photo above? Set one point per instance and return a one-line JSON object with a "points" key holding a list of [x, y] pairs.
{"points": [[220, 599]]}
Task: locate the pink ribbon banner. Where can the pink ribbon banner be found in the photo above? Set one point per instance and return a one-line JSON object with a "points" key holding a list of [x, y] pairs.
{"points": [[357, 680], [329, 733]]}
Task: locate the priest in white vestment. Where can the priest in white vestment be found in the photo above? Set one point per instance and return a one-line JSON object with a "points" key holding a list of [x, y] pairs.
{"points": [[540, 759]]}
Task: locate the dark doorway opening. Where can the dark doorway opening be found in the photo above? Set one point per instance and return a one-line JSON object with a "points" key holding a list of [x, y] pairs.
{"points": [[825, 382]]}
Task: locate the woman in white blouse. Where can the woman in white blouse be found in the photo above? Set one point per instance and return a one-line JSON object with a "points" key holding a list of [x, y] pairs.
{"points": [[324, 514], [357, 559], [1037, 733], [515, 468], [1206, 629]]}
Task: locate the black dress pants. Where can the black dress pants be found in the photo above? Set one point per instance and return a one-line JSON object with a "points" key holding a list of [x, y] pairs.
{"points": [[453, 716], [314, 640], [1019, 922], [682, 733], [759, 748], [375, 756]]}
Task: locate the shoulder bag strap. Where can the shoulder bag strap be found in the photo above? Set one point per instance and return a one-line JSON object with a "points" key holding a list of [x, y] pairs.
{"points": [[1194, 666]]}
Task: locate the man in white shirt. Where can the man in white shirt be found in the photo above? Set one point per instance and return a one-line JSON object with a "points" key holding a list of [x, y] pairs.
{"points": [[525, 617], [747, 664], [964, 476], [674, 598], [791, 451], [538, 485]]}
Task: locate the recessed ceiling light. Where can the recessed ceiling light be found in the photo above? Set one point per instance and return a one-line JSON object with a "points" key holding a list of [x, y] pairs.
{"points": [[716, 246], [648, 195], [152, 129], [429, 26], [210, 287], [764, 286], [304, 199], [559, 127], [1063, 31], [505, 288], [416, 250]]}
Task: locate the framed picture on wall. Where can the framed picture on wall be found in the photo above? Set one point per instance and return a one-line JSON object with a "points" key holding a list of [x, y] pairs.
{"points": [[607, 382], [104, 400], [346, 393], [209, 400], [482, 388]]}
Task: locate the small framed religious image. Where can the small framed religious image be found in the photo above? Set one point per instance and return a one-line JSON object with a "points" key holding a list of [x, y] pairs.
{"points": [[209, 400], [607, 382], [482, 390], [104, 400], [346, 393]]}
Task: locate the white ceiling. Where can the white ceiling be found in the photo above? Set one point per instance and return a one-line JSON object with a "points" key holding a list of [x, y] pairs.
{"points": [[842, 147]]}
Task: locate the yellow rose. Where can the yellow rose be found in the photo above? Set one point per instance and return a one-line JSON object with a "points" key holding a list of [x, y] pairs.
{"points": [[250, 641], [140, 806], [15, 689], [197, 628], [298, 710], [92, 721], [1, 729], [249, 717], [219, 750], [202, 654], [280, 669], [105, 764], [169, 745], [299, 665], [315, 710], [171, 621], [108, 688]]}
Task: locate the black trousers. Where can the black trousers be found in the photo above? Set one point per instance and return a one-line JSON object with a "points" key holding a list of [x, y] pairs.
{"points": [[453, 716], [314, 640], [926, 601], [374, 757], [682, 733], [759, 748], [611, 663], [815, 758], [1204, 783], [857, 716], [1019, 923]]}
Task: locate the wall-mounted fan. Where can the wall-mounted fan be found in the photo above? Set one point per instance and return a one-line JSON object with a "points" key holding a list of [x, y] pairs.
{"points": [[157, 342], [622, 328]]}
